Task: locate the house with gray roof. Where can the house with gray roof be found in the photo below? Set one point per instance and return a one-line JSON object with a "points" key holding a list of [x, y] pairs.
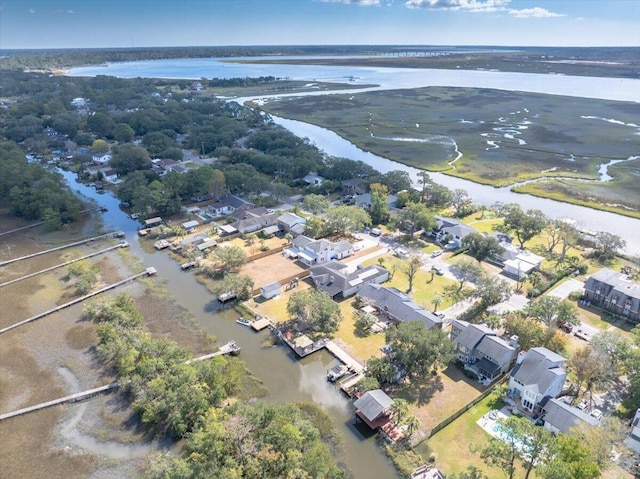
{"points": [[364, 200], [450, 231], [561, 417], [255, 223], [482, 350], [539, 375], [341, 281], [312, 252], [287, 221], [397, 306], [614, 291], [374, 408]]}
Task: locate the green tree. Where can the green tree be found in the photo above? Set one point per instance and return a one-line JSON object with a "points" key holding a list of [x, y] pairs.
{"points": [[525, 225], [315, 308], [491, 290], [225, 259], [396, 180], [399, 410], [315, 227], [466, 271], [128, 158], [241, 286], [100, 146], [482, 247], [379, 209], [570, 458], [123, 133], [411, 268], [608, 245], [461, 202], [342, 219], [383, 370], [436, 300], [216, 185], [530, 333], [279, 191], [588, 369], [315, 204], [413, 424], [418, 349], [417, 216], [552, 312], [472, 472]]}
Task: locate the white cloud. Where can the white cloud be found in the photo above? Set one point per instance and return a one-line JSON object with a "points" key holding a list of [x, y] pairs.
{"points": [[462, 5], [535, 12], [481, 6], [32, 11], [71, 12]]}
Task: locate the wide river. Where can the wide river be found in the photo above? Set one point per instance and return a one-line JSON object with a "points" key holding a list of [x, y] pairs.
{"points": [[392, 78]]}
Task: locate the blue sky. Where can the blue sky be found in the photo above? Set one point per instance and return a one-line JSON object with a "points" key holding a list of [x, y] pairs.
{"points": [[126, 23]]}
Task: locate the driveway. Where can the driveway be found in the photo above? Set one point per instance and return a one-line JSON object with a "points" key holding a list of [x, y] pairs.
{"points": [[563, 290], [515, 302]]}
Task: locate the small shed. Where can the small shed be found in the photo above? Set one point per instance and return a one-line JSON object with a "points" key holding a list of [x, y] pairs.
{"points": [[207, 245], [153, 222], [190, 225], [270, 290], [227, 230], [373, 408]]}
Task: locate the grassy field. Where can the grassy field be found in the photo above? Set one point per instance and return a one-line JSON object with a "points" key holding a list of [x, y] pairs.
{"points": [[505, 137]]}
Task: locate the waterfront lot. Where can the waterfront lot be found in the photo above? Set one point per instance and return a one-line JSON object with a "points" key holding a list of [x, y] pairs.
{"points": [[504, 137]]}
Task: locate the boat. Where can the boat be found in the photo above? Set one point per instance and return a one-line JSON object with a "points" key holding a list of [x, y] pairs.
{"points": [[230, 348], [337, 372], [243, 321]]}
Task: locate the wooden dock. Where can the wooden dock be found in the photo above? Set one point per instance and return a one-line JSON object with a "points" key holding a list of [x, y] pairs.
{"points": [[147, 272], [230, 348], [347, 384], [261, 323], [61, 265], [112, 234], [344, 358], [67, 399]]}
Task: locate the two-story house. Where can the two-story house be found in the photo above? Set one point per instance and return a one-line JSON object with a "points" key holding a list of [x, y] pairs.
{"points": [[539, 374], [312, 252], [482, 350], [614, 291], [340, 281], [450, 232]]}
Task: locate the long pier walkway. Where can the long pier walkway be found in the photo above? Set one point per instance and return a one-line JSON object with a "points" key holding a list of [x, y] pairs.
{"points": [[230, 348], [345, 358], [112, 234], [147, 272], [40, 223], [66, 263]]}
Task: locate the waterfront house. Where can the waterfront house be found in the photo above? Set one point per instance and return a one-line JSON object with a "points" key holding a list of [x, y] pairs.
{"points": [[340, 281], [374, 408], [312, 179], [364, 200], [397, 306], [312, 252], [450, 232], [539, 374], [101, 158], [561, 417], [614, 291], [482, 350], [255, 223]]}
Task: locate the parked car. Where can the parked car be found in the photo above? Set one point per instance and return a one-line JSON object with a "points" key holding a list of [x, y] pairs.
{"points": [[437, 270], [583, 406], [597, 413], [436, 253], [375, 232], [566, 327]]}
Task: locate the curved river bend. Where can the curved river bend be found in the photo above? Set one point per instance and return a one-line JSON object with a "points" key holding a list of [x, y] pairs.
{"points": [[285, 377], [392, 78]]}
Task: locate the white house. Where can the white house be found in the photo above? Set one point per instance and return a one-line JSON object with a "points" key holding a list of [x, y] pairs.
{"points": [[312, 179], [101, 158], [79, 102], [539, 374], [451, 231], [312, 252], [523, 264], [340, 281]]}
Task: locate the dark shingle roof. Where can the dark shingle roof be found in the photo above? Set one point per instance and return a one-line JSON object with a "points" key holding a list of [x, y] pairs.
{"points": [[565, 417]]}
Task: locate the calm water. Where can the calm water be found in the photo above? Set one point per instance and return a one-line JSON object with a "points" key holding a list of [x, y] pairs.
{"points": [[388, 78], [286, 378]]}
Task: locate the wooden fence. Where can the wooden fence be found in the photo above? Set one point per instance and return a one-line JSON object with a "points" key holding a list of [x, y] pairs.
{"points": [[264, 254], [462, 410]]}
